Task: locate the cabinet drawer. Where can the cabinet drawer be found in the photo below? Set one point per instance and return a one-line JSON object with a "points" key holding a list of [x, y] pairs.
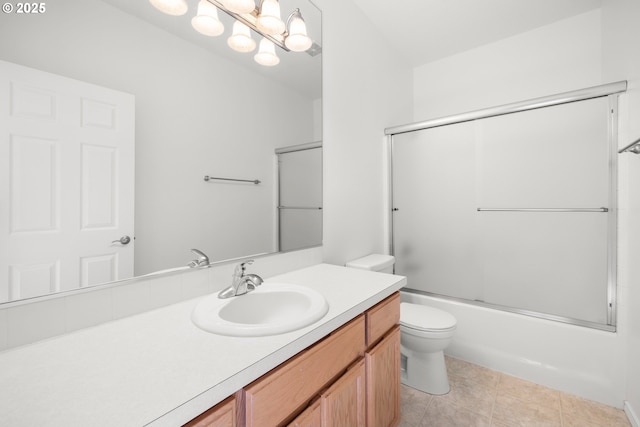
{"points": [[382, 317], [270, 400]]}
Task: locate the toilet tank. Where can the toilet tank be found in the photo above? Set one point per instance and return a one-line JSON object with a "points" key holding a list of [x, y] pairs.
{"points": [[374, 262]]}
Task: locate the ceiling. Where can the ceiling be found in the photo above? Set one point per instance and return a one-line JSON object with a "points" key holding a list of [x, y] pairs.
{"points": [[426, 30], [419, 30]]}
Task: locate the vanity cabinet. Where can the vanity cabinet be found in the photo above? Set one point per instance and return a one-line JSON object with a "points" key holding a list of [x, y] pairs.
{"points": [[382, 361], [349, 378], [275, 397], [344, 402], [221, 415], [310, 417], [383, 381], [381, 318]]}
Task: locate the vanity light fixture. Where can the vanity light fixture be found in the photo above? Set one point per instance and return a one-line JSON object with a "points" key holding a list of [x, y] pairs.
{"points": [[206, 20], [239, 6], [171, 7], [269, 21], [266, 53], [297, 39], [261, 16], [241, 40]]}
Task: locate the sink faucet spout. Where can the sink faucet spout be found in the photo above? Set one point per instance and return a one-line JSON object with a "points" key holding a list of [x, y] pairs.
{"points": [[241, 283]]}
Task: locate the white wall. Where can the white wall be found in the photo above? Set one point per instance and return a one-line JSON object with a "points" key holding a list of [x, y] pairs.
{"points": [[187, 126], [366, 88], [552, 59], [622, 61], [563, 56]]}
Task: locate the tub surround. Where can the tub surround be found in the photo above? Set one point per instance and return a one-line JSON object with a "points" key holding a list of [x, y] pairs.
{"points": [[157, 368]]}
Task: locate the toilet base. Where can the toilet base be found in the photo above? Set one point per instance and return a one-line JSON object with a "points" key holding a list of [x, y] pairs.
{"points": [[426, 372]]}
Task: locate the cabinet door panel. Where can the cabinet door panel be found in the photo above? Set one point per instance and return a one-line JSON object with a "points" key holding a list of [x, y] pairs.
{"points": [[272, 399], [343, 404], [311, 417], [383, 381]]}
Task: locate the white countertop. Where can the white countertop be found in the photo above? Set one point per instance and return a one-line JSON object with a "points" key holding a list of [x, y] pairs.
{"points": [[157, 368]]}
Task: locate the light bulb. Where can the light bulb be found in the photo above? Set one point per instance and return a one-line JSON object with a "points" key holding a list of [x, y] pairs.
{"points": [[266, 54], [269, 20], [171, 7], [297, 40], [206, 21], [240, 6], [241, 40]]}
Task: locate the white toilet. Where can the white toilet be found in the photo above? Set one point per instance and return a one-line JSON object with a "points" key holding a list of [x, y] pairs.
{"points": [[424, 334]]}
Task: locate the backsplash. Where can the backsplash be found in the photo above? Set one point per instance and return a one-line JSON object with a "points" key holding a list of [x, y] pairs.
{"points": [[56, 315]]}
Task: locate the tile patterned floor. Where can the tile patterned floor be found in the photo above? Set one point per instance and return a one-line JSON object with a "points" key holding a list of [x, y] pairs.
{"points": [[480, 397]]}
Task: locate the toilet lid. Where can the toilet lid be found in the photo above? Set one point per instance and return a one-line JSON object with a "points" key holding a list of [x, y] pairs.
{"points": [[425, 318]]}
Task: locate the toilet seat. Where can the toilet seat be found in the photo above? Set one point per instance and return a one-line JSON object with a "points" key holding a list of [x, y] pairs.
{"points": [[424, 318]]}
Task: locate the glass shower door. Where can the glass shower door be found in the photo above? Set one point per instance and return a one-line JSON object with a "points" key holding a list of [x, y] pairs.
{"points": [[515, 211], [552, 260], [435, 224]]}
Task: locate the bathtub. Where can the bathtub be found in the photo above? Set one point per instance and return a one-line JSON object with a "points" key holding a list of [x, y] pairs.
{"points": [[585, 362]]}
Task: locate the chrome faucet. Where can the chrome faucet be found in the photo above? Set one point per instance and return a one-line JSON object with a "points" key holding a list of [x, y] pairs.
{"points": [[241, 283], [201, 261]]}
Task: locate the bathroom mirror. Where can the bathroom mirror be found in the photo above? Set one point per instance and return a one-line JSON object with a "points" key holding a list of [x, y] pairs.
{"points": [[198, 109]]}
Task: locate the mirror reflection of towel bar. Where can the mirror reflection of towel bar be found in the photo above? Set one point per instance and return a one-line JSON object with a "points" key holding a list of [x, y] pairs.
{"points": [[208, 178], [634, 148], [543, 210]]}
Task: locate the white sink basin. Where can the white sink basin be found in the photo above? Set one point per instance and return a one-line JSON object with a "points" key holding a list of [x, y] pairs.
{"points": [[271, 309]]}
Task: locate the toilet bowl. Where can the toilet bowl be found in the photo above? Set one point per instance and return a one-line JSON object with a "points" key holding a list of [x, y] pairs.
{"points": [[424, 334]]}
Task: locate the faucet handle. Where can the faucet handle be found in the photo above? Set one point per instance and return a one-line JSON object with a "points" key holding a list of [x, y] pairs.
{"points": [[203, 259], [247, 262], [239, 272], [198, 252]]}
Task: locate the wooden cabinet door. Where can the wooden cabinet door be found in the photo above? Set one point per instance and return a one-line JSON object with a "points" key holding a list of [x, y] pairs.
{"points": [[311, 417], [221, 415], [272, 399], [343, 404], [383, 381]]}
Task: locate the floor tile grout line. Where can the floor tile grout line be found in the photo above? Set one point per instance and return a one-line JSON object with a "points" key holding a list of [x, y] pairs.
{"points": [[561, 411], [495, 398]]}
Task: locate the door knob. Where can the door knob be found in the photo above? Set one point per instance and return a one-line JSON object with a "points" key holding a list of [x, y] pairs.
{"points": [[124, 240]]}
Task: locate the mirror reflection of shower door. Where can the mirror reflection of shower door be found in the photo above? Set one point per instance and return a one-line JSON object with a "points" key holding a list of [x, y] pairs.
{"points": [[66, 183], [300, 198]]}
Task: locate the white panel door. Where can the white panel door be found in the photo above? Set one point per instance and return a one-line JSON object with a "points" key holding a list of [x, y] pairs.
{"points": [[66, 183]]}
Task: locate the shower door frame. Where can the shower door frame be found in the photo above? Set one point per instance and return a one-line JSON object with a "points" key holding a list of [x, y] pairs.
{"points": [[280, 207], [612, 91]]}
